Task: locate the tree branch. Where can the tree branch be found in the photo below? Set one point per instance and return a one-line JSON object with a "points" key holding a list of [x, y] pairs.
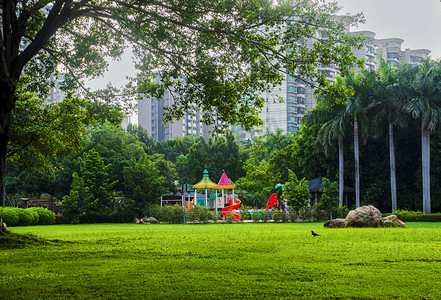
{"points": [[58, 16]]}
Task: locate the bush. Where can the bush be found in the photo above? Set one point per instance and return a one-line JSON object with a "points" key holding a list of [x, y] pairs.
{"points": [[340, 212], [59, 219], [277, 216], [256, 215], [229, 219], [315, 214], [26, 217], [175, 214], [305, 214], [35, 216], [201, 214], [10, 216], [320, 215], [260, 216], [245, 212], [172, 214], [153, 210], [416, 216], [45, 217]]}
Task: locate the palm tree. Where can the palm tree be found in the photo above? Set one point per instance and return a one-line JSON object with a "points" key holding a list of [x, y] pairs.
{"points": [[423, 87], [330, 112], [386, 107], [361, 92]]}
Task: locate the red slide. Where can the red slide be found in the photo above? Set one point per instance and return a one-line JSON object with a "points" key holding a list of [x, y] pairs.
{"points": [[272, 201], [226, 211]]}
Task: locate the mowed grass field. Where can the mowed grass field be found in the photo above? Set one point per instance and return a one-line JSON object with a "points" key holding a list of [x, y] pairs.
{"points": [[224, 261]]}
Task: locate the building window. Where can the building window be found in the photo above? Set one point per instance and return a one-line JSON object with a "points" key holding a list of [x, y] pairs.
{"points": [[292, 119], [291, 88], [415, 59], [291, 99], [292, 109], [290, 78], [393, 55]]}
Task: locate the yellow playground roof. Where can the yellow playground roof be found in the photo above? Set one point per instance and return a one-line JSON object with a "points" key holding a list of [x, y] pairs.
{"points": [[205, 183]]}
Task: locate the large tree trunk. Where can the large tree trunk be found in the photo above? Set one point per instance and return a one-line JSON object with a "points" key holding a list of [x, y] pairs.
{"points": [[393, 180], [425, 158], [341, 171], [7, 101], [357, 166]]}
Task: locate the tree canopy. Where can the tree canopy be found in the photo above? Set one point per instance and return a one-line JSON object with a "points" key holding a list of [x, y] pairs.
{"points": [[217, 55]]}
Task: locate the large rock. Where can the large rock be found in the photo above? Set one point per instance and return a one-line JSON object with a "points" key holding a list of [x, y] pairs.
{"points": [[335, 223], [152, 220], [364, 216], [392, 221]]}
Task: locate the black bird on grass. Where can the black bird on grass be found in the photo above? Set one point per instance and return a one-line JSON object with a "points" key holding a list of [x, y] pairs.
{"points": [[314, 234]]}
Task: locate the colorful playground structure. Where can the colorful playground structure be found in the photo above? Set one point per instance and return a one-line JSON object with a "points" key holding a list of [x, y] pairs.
{"points": [[276, 198], [219, 197], [227, 204]]}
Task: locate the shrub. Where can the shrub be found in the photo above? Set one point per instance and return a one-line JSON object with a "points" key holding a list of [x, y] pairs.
{"points": [[340, 212], [59, 219], [201, 214], [153, 210], [319, 215], [256, 215], [10, 216], [45, 217], [277, 215], [244, 213], [172, 214], [35, 216], [416, 216], [260, 215], [26, 217], [229, 219], [305, 214], [285, 216]]}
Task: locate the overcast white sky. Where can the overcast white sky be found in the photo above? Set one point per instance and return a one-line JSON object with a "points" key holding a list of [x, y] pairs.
{"points": [[417, 22]]}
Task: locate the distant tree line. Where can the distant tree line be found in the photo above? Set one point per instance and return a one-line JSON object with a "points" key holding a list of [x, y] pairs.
{"points": [[389, 110]]}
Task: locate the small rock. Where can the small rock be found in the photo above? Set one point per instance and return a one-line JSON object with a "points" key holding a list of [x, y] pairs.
{"points": [[393, 221], [151, 220], [335, 223]]}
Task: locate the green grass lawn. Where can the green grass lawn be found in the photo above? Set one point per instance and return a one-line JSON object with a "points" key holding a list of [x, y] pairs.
{"points": [[221, 261]]}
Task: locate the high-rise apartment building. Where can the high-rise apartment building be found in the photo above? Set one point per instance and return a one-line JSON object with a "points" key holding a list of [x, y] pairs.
{"points": [[150, 117], [55, 93], [389, 50], [297, 97]]}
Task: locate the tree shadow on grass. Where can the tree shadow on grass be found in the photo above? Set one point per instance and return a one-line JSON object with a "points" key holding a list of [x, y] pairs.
{"points": [[10, 240]]}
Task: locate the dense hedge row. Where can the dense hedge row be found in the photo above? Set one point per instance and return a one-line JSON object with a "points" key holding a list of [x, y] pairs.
{"points": [[13, 216], [416, 216], [174, 214]]}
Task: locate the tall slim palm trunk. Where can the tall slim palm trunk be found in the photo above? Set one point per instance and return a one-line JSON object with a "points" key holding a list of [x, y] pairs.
{"points": [[341, 171], [425, 158], [393, 180], [357, 165]]}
